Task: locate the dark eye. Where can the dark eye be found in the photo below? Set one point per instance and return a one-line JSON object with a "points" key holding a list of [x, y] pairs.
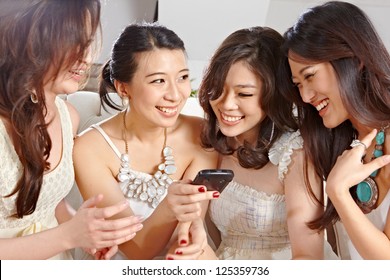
{"points": [[242, 94], [158, 81], [184, 77], [298, 85], [308, 76]]}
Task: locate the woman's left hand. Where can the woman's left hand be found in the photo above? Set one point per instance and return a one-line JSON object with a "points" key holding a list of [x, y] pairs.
{"points": [[192, 240], [349, 169], [103, 253], [106, 253]]}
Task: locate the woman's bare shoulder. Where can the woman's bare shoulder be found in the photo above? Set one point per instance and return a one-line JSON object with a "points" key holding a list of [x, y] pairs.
{"points": [[192, 123], [189, 128]]}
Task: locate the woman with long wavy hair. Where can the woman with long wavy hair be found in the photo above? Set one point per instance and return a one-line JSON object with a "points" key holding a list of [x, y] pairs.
{"points": [[45, 51], [263, 212]]}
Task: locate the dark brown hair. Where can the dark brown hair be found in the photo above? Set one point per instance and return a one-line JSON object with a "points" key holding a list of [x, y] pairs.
{"points": [[259, 48], [37, 36], [134, 39], [339, 33]]}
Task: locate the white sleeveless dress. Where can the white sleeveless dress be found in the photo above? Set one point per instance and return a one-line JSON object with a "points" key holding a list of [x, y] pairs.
{"points": [[138, 207], [142, 208], [253, 224], [56, 185]]}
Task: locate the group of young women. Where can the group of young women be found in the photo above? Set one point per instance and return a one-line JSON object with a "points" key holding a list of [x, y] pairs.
{"points": [[295, 117]]}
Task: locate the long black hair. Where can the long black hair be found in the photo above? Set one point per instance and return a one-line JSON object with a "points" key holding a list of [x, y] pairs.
{"points": [[134, 39], [342, 34]]}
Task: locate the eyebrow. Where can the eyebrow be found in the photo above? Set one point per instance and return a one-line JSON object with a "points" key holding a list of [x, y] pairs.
{"points": [[245, 86], [162, 73]]}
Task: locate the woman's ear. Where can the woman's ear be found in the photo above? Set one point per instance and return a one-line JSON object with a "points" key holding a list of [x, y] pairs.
{"points": [[120, 88], [361, 65]]}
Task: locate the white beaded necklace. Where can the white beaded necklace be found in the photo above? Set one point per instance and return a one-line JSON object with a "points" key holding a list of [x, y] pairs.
{"points": [[150, 191]]}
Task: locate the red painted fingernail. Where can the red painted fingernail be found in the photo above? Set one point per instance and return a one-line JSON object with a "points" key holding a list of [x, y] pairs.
{"points": [[169, 258], [202, 189], [182, 242], [215, 194], [179, 253]]}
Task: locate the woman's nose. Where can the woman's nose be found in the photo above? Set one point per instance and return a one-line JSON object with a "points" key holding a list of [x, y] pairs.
{"points": [[173, 92], [307, 94], [228, 101]]}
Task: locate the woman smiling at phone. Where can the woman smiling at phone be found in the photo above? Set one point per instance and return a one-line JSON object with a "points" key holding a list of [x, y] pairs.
{"points": [[263, 212]]}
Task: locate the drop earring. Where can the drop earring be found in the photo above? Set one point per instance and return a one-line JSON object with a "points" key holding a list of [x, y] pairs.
{"points": [[125, 102], [34, 98], [272, 132]]}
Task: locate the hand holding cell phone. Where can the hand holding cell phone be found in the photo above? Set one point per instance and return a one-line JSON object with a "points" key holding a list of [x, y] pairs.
{"points": [[214, 179]]}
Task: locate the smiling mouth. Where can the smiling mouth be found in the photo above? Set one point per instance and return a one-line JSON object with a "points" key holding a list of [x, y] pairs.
{"points": [[230, 118], [167, 110], [322, 105], [77, 72]]}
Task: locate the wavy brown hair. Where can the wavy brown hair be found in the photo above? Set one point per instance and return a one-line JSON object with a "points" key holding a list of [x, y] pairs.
{"points": [[339, 33], [259, 48], [37, 36]]}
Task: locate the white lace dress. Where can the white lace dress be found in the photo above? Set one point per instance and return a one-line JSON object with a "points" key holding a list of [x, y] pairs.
{"points": [[253, 224], [56, 185]]}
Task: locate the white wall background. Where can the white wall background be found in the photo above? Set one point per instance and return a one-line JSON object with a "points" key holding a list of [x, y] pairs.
{"points": [[203, 24], [116, 15], [283, 13]]}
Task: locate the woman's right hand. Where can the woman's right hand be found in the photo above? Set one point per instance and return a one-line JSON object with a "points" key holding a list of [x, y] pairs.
{"points": [[91, 227], [184, 199]]}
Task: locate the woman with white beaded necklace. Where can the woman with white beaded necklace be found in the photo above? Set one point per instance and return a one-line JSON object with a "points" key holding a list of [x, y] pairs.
{"points": [[341, 69], [149, 147]]}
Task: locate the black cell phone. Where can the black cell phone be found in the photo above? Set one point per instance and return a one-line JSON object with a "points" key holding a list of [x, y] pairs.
{"points": [[214, 179]]}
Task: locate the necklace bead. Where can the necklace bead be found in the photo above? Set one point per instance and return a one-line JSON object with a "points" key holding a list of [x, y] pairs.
{"points": [[380, 137], [153, 190], [367, 190]]}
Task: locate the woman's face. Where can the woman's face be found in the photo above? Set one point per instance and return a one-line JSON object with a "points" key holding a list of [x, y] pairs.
{"points": [[68, 79], [318, 86], [160, 86], [238, 108]]}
